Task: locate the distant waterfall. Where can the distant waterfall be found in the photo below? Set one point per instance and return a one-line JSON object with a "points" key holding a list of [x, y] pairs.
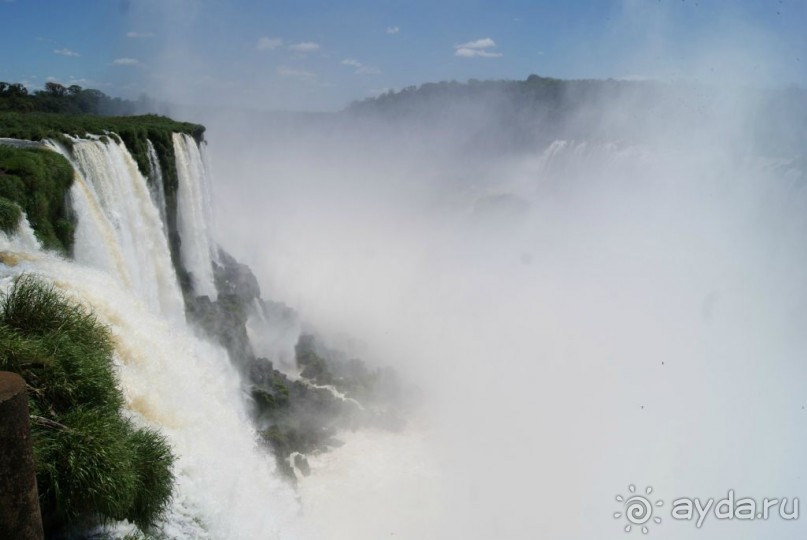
{"points": [[193, 215], [119, 227]]}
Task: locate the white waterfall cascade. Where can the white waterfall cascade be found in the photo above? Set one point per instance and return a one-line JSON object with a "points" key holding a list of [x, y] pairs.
{"points": [[194, 215], [227, 486], [119, 227], [157, 186]]}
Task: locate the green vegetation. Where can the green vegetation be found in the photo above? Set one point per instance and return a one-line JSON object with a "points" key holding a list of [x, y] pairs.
{"points": [[56, 98], [93, 464], [10, 216], [133, 130], [37, 181], [313, 367]]}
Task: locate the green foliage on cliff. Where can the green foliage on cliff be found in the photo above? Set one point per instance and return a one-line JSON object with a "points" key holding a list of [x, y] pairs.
{"points": [[38, 181], [93, 464], [10, 216], [36, 126]]}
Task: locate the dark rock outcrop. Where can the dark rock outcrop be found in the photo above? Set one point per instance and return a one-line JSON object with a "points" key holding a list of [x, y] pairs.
{"points": [[19, 500], [225, 319]]}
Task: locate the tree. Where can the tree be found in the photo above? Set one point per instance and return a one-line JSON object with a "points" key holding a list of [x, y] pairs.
{"points": [[17, 90], [55, 89]]}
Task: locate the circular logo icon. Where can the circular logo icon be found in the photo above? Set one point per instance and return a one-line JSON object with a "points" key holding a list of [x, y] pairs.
{"points": [[638, 509]]}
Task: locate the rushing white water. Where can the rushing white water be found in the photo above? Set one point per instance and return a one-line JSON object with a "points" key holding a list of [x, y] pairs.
{"points": [[119, 227], [227, 487], [157, 186], [379, 484], [193, 215]]}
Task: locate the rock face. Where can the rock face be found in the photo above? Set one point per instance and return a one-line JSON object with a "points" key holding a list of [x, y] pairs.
{"points": [[20, 517], [236, 279], [333, 394], [226, 318], [295, 415]]}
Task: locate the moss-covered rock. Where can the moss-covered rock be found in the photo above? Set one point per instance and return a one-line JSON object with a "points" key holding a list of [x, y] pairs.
{"points": [[10, 216], [304, 416], [312, 366], [38, 181]]}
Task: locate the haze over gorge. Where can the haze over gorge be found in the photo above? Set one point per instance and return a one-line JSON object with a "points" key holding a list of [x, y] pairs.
{"points": [[282, 288]]}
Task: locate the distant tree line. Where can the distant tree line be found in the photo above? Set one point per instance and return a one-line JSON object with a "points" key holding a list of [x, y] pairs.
{"points": [[57, 98], [536, 92], [513, 113]]}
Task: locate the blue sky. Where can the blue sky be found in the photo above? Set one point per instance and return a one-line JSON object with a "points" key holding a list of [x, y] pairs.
{"points": [[318, 54]]}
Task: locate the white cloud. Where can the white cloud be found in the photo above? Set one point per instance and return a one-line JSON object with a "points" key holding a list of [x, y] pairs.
{"points": [[125, 62], [471, 53], [304, 47], [361, 69], [66, 52], [392, 30], [284, 71], [476, 49], [136, 35], [483, 43], [268, 44]]}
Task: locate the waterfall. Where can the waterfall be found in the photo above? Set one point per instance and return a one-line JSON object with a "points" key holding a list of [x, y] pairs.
{"points": [[193, 215], [119, 227], [157, 186], [184, 386]]}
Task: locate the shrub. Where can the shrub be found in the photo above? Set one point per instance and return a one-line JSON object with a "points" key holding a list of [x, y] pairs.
{"points": [[10, 216], [38, 181], [93, 464]]}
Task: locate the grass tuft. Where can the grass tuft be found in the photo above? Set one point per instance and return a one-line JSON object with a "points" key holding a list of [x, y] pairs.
{"points": [[93, 464]]}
